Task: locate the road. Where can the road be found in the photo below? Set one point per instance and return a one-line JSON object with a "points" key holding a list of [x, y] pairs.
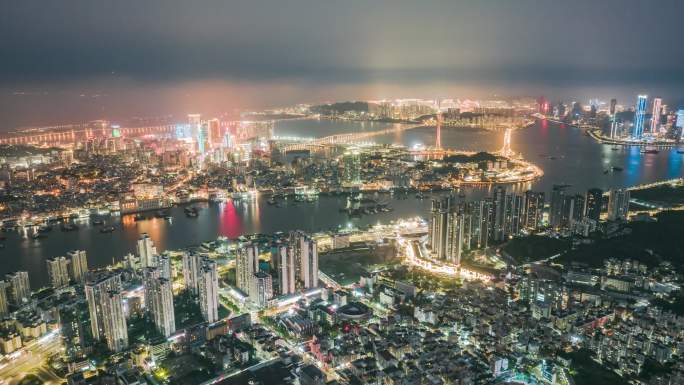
{"points": [[32, 359]]}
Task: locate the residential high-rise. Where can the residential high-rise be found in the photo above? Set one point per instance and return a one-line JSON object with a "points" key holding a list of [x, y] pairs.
{"points": [[285, 266], [447, 229], [593, 203], [159, 301], [305, 252], [655, 114], [208, 290], [512, 215], [533, 210], [19, 287], [246, 265], [557, 204], [352, 166], [573, 210], [58, 272], [146, 251], [482, 223], [4, 300], [618, 204], [192, 262], [78, 265], [499, 222], [115, 328], [163, 262], [105, 305], [262, 289], [639, 116]]}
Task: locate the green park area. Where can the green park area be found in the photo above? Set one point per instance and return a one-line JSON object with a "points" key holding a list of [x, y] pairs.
{"points": [[647, 242], [347, 265], [586, 371], [533, 248]]}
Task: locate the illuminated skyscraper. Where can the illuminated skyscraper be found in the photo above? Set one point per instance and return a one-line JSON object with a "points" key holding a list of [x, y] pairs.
{"points": [[159, 300], [655, 114], [78, 264], [58, 272], [192, 262], [305, 251], [4, 299], [215, 136], [447, 227], [556, 208], [208, 290], [592, 205], [534, 207], [105, 305], [246, 265], [146, 251], [618, 204], [19, 287], [679, 123], [261, 290], [352, 166], [284, 262], [639, 115]]}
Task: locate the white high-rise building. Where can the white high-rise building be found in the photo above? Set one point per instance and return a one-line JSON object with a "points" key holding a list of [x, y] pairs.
{"points": [[163, 262], [20, 289], [105, 305], [78, 264], [306, 259], [159, 300], [284, 261], [246, 265], [618, 204], [146, 251], [192, 262], [262, 289], [4, 300], [58, 272], [115, 328], [208, 290]]}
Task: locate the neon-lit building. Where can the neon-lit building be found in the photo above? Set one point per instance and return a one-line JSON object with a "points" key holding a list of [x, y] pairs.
{"points": [[639, 113], [655, 114], [679, 123]]}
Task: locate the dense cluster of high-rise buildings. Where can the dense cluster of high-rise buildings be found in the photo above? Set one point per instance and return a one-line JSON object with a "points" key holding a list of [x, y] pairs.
{"points": [[294, 263], [457, 226]]}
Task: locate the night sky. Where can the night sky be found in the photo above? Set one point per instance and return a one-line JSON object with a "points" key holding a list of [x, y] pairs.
{"points": [[66, 61]]}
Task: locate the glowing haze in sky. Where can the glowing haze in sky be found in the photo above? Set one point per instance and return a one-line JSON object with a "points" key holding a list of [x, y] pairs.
{"points": [[82, 59]]}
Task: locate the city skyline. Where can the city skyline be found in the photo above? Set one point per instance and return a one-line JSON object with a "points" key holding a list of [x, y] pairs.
{"points": [[217, 61]]}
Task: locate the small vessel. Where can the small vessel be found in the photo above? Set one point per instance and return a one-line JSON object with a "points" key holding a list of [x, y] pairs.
{"points": [[107, 229], [161, 213], [271, 201], [98, 222], [44, 229], [168, 218], [68, 227], [191, 212], [139, 217], [616, 169], [649, 151], [37, 235], [614, 148], [680, 151]]}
